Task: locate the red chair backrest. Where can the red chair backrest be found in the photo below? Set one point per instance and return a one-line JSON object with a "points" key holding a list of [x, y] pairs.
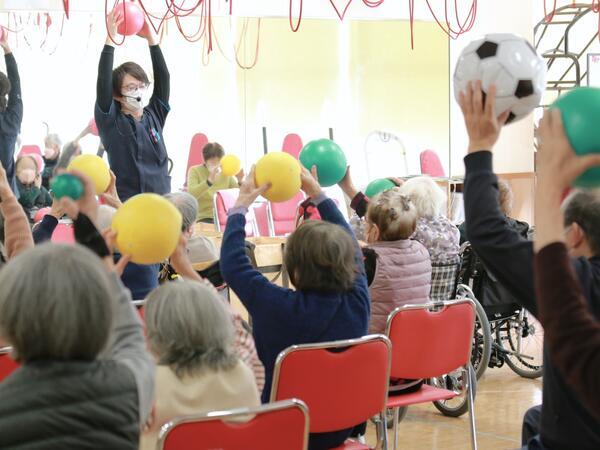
{"points": [[283, 215], [224, 200], [431, 164], [276, 426], [63, 234], [341, 388], [427, 343], [7, 364], [292, 144], [195, 157], [261, 214], [30, 150]]}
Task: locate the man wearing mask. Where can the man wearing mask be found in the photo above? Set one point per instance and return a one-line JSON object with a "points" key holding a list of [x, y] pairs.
{"points": [[132, 133]]}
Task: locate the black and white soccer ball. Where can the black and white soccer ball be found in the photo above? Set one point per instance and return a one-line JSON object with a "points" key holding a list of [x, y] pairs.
{"points": [[512, 64]]}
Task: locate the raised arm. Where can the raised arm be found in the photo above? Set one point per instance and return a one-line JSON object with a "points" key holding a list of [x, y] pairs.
{"points": [[570, 330], [162, 78], [248, 283], [104, 90], [17, 234], [15, 103], [505, 253]]}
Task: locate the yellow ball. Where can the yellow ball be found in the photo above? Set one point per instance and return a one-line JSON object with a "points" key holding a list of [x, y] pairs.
{"points": [[148, 228], [95, 168], [230, 165], [282, 171]]}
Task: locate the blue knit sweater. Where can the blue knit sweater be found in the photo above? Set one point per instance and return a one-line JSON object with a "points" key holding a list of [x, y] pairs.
{"points": [[283, 317]]}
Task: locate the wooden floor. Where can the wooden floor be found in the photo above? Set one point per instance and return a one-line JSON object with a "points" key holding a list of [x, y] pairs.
{"points": [[502, 399]]}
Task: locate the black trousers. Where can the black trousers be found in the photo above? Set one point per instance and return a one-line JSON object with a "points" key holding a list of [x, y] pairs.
{"points": [[531, 428]]}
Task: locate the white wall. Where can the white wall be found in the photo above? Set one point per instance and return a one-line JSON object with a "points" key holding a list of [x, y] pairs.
{"points": [[514, 151]]}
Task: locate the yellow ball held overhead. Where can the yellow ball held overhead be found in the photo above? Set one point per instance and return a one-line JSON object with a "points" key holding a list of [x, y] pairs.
{"points": [[282, 171], [94, 168], [148, 228], [230, 165]]}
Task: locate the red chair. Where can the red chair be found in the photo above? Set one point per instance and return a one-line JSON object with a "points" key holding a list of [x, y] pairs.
{"points": [[195, 157], [344, 383], [292, 144], [428, 341], [282, 216], [261, 214], [431, 164], [274, 426], [223, 201], [30, 150], [7, 364]]}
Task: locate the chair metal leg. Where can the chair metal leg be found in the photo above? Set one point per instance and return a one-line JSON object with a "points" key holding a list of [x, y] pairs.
{"points": [[396, 412], [471, 403], [381, 431]]}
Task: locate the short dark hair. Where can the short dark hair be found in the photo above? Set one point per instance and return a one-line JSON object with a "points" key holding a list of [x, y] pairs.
{"points": [[128, 68], [583, 208], [320, 256], [5, 88], [213, 150]]}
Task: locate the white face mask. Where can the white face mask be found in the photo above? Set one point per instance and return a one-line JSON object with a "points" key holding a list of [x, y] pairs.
{"points": [[135, 99]]}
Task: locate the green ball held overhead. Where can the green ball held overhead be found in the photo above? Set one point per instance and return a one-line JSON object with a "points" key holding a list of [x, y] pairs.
{"points": [[377, 186], [580, 110], [67, 185], [329, 159]]}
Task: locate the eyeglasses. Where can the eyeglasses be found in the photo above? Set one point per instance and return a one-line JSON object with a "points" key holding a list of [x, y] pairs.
{"points": [[134, 87]]}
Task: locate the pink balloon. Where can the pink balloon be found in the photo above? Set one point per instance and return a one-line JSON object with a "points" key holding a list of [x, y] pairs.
{"points": [[40, 214], [93, 127], [133, 18]]}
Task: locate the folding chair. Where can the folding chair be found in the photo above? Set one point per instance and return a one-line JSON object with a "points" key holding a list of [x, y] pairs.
{"points": [[430, 340], [282, 216], [344, 383], [223, 201], [274, 426]]}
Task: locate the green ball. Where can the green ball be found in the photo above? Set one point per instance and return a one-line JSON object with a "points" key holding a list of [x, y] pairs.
{"points": [[329, 159], [377, 186], [67, 185], [580, 110]]}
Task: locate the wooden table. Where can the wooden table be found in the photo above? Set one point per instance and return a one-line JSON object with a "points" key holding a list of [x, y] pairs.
{"points": [[268, 251]]}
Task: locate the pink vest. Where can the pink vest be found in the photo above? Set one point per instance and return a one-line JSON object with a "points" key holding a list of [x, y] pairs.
{"points": [[402, 276]]}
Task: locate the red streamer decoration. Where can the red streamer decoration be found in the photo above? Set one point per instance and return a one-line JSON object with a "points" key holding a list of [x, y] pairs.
{"points": [[66, 5]]}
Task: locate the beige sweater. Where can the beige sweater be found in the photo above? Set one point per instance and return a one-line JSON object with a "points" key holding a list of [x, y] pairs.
{"points": [[17, 234], [207, 391]]}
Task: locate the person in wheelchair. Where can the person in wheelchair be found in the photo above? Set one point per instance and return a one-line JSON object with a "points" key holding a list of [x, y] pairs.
{"points": [[562, 421], [495, 298]]}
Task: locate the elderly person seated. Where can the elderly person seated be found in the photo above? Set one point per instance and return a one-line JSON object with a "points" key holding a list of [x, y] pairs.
{"points": [[434, 230], [192, 337], [86, 379]]}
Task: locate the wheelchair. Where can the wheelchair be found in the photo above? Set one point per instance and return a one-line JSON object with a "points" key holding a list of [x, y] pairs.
{"points": [[505, 332]]}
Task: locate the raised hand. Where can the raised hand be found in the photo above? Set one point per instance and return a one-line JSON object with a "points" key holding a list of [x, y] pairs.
{"points": [[483, 125], [310, 182], [249, 192]]}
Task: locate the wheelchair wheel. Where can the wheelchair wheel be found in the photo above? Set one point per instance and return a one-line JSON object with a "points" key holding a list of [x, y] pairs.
{"points": [[521, 338], [455, 381], [482, 336]]}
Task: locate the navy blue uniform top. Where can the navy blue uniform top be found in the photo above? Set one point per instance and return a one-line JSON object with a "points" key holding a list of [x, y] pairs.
{"points": [[136, 149], [565, 421], [10, 122]]}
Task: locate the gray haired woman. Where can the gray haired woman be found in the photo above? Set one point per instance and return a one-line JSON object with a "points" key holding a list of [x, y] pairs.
{"points": [[191, 334], [86, 379]]}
